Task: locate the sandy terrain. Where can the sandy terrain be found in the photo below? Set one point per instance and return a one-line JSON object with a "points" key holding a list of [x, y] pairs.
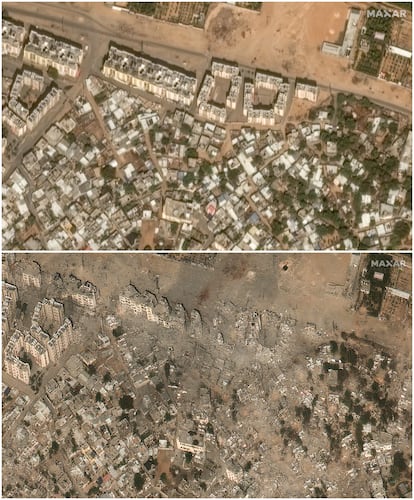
{"points": [[286, 37], [147, 234]]}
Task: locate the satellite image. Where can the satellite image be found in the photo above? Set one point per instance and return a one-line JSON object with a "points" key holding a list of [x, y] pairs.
{"points": [[206, 375], [207, 126]]}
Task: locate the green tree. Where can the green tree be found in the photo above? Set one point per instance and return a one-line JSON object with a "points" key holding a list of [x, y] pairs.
{"points": [[277, 227], [188, 178], [108, 172], [399, 461], [191, 153], [53, 72], [126, 402], [54, 448], [205, 169], [139, 481], [401, 231], [393, 128], [117, 332]]}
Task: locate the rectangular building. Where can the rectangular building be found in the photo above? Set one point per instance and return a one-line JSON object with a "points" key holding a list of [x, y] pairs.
{"points": [[12, 38], [149, 76], [46, 51]]}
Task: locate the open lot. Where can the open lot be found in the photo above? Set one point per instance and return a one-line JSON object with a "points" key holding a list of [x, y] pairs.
{"points": [[286, 38]]}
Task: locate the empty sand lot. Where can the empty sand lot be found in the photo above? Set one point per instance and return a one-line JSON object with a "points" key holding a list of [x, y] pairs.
{"points": [[286, 37]]}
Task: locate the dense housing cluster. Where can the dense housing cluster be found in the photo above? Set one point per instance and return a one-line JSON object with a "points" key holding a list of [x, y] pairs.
{"points": [[233, 158], [50, 334]]}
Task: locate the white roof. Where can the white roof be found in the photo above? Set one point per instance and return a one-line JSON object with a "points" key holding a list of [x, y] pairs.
{"points": [[399, 52]]}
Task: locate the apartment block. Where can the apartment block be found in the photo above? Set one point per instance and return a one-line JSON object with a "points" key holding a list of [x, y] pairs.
{"points": [[224, 70], [205, 89], [14, 122], [46, 51], [61, 340], [84, 294], [261, 117], [31, 274], [267, 81], [149, 76], [131, 300], [306, 91], [48, 312], [234, 91], [36, 350], [213, 112], [13, 365], [49, 336], [10, 297], [248, 98], [12, 38], [44, 106]]}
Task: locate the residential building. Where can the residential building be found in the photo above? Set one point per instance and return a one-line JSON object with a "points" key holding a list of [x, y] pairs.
{"points": [[224, 70], [306, 91], [46, 51], [205, 89], [61, 340], [84, 295], [10, 297], [13, 365], [131, 300], [248, 97], [12, 38], [212, 112], [31, 274], [48, 312], [45, 105], [149, 76], [14, 122], [188, 443], [234, 91]]}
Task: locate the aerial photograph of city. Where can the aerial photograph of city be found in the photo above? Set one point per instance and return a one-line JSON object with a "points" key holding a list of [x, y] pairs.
{"points": [[206, 249], [206, 375], [206, 126]]}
